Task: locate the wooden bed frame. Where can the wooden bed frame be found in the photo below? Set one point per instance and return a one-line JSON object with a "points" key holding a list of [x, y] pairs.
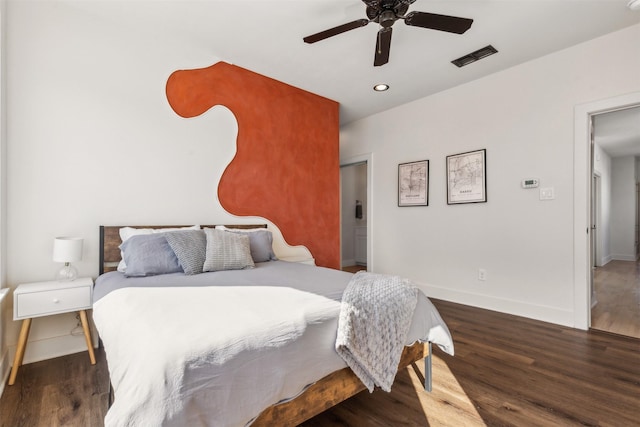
{"points": [[320, 396]]}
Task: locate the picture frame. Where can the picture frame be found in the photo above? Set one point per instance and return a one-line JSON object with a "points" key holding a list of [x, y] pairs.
{"points": [[413, 183], [467, 177]]}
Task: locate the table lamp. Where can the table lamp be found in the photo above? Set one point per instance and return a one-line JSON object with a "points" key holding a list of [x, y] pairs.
{"points": [[67, 250]]}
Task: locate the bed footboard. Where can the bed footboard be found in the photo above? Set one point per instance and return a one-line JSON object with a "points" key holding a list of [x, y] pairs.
{"points": [[330, 391]]}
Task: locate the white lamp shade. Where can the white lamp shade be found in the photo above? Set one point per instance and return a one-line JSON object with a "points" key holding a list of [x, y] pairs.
{"points": [[67, 249]]}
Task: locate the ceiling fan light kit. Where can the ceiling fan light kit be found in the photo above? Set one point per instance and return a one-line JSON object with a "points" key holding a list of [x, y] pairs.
{"points": [[386, 13]]}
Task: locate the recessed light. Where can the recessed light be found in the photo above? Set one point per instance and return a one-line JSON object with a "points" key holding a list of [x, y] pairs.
{"points": [[381, 87]]}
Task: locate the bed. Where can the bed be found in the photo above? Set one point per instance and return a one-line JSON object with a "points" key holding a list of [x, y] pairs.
{"points": [[254, 346]]}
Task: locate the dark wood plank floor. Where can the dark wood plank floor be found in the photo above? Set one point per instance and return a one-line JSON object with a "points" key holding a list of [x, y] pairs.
{"points": [[508, 371], [65, 391]]}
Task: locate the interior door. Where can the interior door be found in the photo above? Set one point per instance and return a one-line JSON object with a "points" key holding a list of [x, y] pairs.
{"points": [[593, 222]]}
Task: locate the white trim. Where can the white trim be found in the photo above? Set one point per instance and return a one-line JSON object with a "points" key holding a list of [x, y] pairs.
{"points": [[622, 257], [348, 262], [581, 200], [368, 159], [503, 305], [52, 347]]}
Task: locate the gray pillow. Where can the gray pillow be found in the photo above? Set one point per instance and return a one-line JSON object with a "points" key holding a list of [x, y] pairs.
{"points": [[227, 251], [260, 244], [190, 248], [148, 255]]}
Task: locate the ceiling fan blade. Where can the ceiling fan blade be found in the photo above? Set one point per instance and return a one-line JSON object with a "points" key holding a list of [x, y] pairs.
{"points": [[451, 24], [383, 47], [335, 31]]}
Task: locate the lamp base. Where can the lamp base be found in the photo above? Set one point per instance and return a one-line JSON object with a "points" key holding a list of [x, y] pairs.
{"points": [[67, 273]]}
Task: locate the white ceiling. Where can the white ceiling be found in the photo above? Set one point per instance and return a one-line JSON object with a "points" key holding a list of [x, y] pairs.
{"points": [[265, 36], [618, 132]]}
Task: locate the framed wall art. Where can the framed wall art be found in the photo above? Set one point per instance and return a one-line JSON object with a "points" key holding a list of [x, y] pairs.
{"points": [[467, 177], [413, 183]]}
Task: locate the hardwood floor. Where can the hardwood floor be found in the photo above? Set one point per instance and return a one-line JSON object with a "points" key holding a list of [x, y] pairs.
{"points": [[617, 287], [354, 268], [507, 371], [65, 391]]}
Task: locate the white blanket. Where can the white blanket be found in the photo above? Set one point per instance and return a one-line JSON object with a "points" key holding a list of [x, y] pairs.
{"points": [[212, 356], [375, 317], [215, 349]]}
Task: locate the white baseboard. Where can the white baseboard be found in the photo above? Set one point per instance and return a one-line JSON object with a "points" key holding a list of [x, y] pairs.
{"points": [[514, 307], [348, 262], [622, 257], [49, 348]]}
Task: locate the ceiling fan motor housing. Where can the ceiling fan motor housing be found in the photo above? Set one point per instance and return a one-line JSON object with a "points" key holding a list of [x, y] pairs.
{"points": [[386, 12]]}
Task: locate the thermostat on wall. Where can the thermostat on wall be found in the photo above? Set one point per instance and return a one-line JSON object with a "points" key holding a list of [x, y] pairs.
{"points": [[530, 183]]}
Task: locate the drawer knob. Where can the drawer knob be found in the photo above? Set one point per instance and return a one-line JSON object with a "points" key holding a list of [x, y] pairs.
{"points": [[56, 300]]}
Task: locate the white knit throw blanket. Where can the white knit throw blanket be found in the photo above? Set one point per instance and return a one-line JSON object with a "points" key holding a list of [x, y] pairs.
{"points": [[375, 317]]}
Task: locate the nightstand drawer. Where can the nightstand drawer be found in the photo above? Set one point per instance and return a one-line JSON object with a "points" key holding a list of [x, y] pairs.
{"points": [[51, 302], [47, 298]]}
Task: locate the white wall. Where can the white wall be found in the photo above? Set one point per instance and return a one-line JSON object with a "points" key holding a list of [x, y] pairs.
{"points": [[4, 365], [602, 166], [623, 208], [92, 140], [524, 117]]}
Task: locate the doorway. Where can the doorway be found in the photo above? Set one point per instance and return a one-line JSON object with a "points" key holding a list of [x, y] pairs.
{"points": [[615, 279], [356, 213], [354, 201], [583, 114]]}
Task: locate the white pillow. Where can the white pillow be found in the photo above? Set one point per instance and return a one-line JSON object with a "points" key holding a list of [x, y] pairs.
{"points": [[127, 232]]}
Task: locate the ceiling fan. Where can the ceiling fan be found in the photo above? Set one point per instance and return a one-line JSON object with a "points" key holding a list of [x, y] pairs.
{"points": [[386, 13]]}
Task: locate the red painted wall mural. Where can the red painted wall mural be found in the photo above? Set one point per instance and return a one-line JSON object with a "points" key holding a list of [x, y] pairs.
{"points": [[286, 167]]}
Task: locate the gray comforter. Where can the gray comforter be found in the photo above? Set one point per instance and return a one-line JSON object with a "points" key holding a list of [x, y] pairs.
{"points": [[174, 358]]}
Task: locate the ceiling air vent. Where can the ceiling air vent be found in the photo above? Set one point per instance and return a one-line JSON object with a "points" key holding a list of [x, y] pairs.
{"points": [[475, 56]]}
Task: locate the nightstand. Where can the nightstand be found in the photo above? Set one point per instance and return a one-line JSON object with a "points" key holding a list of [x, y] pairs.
{"points": [[48, 298]]}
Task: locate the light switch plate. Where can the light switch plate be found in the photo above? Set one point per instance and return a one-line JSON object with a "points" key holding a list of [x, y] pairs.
{"points": [[547, 193]]}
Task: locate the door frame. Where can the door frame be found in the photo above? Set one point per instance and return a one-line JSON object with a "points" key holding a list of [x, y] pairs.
{"points": [[596, 240], [582, 178], [596, 215]]}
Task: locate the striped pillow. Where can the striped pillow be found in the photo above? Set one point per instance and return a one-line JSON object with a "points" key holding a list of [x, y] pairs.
{"points": [[226, 251], [190, 248]]}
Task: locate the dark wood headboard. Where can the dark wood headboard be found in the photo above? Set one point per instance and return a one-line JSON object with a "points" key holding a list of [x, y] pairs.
{"points": [[110, 241]]}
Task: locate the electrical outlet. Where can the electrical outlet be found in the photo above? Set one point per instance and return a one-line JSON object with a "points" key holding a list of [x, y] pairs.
{"points": [[482, 274]]}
